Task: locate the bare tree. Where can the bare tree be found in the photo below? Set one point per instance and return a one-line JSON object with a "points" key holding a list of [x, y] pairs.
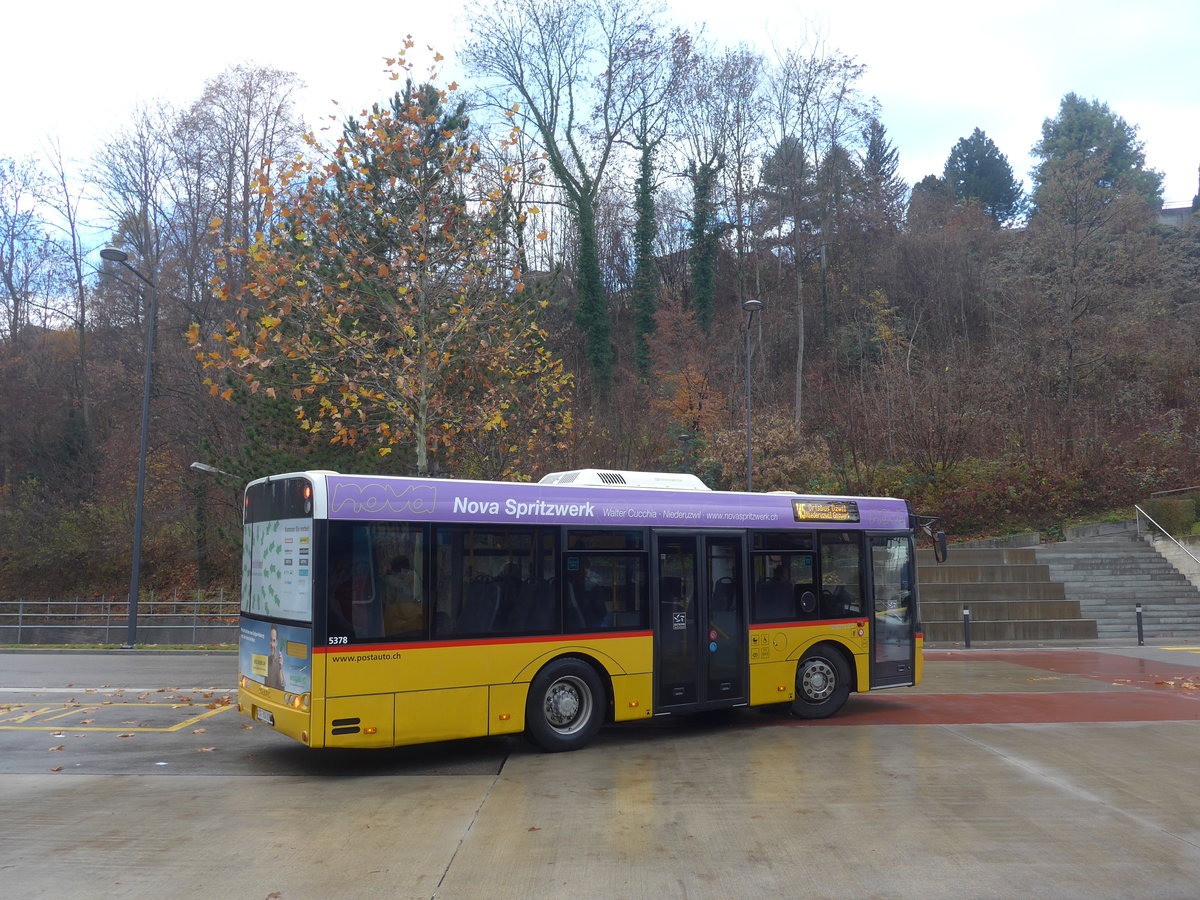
{"points": [[247, 124], [819, 113], [25, 256], [66, 202], [566, 69]]}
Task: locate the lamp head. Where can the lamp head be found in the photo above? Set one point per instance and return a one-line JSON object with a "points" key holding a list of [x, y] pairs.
{"points": [[112, 254], [752, 305]]}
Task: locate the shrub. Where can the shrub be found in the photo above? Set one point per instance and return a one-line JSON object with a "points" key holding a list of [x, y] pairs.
{"points": [[1175, 515]]}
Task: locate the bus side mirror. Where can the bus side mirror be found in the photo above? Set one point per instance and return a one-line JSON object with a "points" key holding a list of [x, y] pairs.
{"points": [[939, 546]]}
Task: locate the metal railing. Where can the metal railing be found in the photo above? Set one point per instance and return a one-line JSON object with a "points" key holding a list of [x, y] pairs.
{"points": [[195, 617], [1141, 512], [1186, 490]]}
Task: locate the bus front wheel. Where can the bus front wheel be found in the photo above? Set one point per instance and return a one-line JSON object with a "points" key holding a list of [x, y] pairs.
{"points": [[565, 706], [822, 684]]}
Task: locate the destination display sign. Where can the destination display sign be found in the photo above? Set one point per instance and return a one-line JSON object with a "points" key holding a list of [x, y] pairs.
{"points": [[825, 510]]}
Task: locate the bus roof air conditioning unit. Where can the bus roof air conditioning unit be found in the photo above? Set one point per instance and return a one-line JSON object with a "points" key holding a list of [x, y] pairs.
{"points": [[663, 481]]}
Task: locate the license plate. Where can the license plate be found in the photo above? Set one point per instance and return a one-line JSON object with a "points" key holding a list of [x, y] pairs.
{"points": [[264, 715]]}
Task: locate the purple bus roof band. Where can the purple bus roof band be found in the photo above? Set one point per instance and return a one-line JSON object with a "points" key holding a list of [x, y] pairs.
{"points": [[408, 499]]}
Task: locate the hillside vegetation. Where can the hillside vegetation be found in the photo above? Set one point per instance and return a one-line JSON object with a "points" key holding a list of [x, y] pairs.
{"points": [[506, 281]]}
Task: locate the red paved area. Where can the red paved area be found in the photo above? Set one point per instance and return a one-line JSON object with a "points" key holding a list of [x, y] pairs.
{"points": [[1084, 663], [894, 708], [1151, 691]]}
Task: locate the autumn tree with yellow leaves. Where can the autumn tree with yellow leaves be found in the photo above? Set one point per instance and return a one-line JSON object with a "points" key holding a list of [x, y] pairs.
{"points": [[383, 303]]}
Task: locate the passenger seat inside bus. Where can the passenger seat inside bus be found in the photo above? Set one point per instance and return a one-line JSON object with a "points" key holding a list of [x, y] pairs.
{"points": [[773, 600], [478, 614], [534, 609]]}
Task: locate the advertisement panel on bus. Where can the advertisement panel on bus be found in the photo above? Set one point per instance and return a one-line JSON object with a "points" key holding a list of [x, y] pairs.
{"points": [[277, 656], [363, 497]]}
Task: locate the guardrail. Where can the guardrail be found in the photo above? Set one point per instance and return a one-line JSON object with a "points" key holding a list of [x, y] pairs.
{"points": [[192, 618], [1142, 513]]}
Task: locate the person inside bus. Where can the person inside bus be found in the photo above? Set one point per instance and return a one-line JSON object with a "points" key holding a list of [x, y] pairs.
{"points": [[775, 596], [403, 610]]}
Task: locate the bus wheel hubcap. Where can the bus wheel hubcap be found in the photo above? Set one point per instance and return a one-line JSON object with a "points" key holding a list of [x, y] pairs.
{"points": [[818, 680], [564, 701]]}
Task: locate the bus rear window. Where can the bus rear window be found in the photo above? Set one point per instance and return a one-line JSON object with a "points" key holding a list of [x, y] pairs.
{"points": [[282, 498]]}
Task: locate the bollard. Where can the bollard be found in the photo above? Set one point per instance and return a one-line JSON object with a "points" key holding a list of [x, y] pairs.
{"points": [[1141, 635], [967, 626]]}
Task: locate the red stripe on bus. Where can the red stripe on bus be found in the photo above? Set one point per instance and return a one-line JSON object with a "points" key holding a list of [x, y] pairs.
{"points": [[789, 623], [481, 642]]}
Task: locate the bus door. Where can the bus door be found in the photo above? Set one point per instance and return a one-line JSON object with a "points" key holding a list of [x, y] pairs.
{"points": [[700, 650], [894, 623]]}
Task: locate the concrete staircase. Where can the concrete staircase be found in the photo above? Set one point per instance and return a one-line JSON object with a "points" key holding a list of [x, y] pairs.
{"points": [[1009, 592], [1109, 574]]}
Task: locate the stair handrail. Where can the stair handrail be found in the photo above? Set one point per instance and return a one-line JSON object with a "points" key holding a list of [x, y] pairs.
{"points": [[1186, 490], [1141, 512]]}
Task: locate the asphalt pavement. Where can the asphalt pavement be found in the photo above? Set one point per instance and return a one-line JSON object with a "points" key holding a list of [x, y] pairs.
{"points": [[1044, 771]]}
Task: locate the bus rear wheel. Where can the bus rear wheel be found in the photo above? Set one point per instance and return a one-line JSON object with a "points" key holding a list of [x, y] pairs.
{"points": [[822, 684], [565, 707]]}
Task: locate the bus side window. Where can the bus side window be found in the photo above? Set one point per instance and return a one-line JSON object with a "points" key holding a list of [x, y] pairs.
{"points": [[400, 550], [841, 588], [773, 596], [606, 590], [354, 591], [495, 580], [783, 587]]}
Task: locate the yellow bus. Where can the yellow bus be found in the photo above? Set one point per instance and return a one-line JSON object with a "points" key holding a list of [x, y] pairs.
{"points": [[384, 611]]}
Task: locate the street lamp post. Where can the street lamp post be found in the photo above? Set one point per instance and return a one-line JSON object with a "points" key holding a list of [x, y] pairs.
{"points": [[751, 307], [211, 470], [202, 575], [112, 254]]}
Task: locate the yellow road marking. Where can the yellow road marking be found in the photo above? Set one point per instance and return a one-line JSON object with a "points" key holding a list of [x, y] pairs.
{"points": [[43, 714]]}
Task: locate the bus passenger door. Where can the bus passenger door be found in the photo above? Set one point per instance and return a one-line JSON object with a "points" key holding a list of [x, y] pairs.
{"points": [[700, 650], [893, 625]]}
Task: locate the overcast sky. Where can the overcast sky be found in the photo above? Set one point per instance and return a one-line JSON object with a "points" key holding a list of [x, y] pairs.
{"points": [[939, 68]]}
